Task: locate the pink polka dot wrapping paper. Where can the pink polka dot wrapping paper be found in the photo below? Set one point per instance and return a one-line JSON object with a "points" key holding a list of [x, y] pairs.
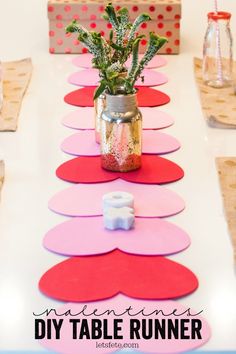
{"points": [[166, 16]]}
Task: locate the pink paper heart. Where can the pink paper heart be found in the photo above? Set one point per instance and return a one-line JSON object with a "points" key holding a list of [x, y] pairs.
{"points": [[99, 277], [87, 236], [90, 77], [83, 118], [87, 169], [83, 143], [86, 199], [146, 96]]}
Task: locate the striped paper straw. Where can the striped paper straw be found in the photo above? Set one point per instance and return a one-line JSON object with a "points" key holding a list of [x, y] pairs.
{"points": [[218, 49]]}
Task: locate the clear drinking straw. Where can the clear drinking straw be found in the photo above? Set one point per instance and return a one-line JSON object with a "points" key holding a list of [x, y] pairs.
{"points": [[218, 49]]}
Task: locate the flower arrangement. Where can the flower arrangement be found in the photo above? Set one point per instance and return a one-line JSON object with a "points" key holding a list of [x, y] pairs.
{"points": [[109, 57]]}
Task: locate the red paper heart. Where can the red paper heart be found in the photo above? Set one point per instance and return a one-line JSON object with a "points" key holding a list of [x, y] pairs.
{"points": [[87, 169], [101, 277], [147, 97]]}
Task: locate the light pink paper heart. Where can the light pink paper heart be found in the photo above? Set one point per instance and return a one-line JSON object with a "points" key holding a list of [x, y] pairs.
{"points": [[140, 310], [87, 236], [86, 199], [83, 118], [85, 61], [90, 77], [83, 143]]}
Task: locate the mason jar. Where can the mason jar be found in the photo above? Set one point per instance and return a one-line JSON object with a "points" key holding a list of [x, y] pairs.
{"points": [[99, 106], [121, 133]]}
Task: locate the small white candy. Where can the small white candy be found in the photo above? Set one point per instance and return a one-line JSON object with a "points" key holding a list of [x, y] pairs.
{"points": [[119, 218], [117, 200]]}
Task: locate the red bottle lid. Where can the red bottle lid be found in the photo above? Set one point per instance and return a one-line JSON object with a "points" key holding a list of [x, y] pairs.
{"points": [[220, 15]]}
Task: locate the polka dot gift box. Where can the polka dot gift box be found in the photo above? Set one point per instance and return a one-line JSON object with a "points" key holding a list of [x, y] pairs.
{"points": [[165, 14]]}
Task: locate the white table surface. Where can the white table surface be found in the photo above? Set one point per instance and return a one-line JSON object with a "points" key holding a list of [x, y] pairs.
{"points": [[32, 154]]}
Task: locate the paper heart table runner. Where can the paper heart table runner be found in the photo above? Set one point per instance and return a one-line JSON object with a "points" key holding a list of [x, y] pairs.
{"points": [[85, 61], [118, 256], [147, 97], [90, 77], [83, 119], [83, 143]]}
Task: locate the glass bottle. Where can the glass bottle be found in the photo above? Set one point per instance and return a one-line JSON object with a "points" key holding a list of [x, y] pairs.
{"points": [[218, 51]]}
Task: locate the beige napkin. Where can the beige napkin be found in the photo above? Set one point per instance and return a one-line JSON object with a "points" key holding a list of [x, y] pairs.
{"points": [[227, 175], [218, 105], [16, 78]]}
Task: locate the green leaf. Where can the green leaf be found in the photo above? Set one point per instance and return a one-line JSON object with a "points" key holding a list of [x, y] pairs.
{"points": [[72, 27], [129, 87], [140, 36], [82, 37], [124, 16], [111, 36], [139, 20], [124, 12], [99, 90], [105, 17], [112, 15], [112, 75], [134, 65], [117, 47], [162, 41]]}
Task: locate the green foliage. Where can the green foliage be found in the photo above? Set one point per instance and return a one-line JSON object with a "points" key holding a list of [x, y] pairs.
{"points": [[139, 20], [155, 43], [134, 64], [101, 88], [125, 32], [109, 57], [111, 14]]}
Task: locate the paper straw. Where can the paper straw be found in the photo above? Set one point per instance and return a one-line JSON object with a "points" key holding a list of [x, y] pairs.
{"points": [[218, 49]]}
